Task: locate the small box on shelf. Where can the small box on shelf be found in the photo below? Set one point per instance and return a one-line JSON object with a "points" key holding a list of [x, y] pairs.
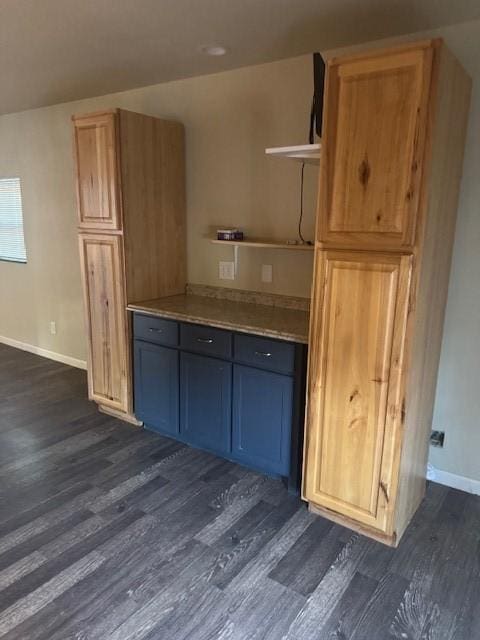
{"points": [[229, 234]]}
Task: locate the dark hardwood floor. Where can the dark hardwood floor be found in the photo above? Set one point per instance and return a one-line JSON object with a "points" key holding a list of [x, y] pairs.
{"points": [[112, 532]]}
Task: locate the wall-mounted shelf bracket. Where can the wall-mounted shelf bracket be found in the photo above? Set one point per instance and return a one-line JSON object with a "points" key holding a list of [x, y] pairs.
{"points": [[235, 259]]}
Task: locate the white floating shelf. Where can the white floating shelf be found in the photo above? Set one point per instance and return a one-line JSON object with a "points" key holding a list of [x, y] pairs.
{"points": [[264, 244], [309, 153], [259, 243]]}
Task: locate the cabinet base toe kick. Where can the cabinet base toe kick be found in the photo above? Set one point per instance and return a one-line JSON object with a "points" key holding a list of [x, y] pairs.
{"points": [[210, 388], [391, 540], [121, 415]]}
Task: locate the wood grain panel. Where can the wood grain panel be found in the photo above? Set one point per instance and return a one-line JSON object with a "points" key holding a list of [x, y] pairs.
{"points": [[360, 316], [373, 148], [99, 204], [130, 183], [394, 133], [108, 370], [153, 186], [448, 120]]}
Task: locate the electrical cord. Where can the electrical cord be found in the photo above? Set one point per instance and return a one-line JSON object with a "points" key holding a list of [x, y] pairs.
{"points": [[300, 235], [311, 136], [302, 239]]}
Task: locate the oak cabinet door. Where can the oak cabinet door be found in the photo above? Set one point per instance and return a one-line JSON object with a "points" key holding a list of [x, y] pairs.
{"points": [[97, 176], [355, 385], [373, 148], [101, 261]]}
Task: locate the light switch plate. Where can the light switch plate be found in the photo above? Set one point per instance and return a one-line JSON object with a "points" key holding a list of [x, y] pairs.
{"points": [[53, 327], [226, 270], [267, 273]]}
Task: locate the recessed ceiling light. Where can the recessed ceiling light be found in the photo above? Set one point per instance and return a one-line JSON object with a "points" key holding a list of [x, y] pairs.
{"points": [[213, 50]]}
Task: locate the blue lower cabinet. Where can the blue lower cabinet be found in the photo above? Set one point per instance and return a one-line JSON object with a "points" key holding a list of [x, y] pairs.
{"points": [[262, 419], [205, 402], [238, 396], [156, 387]]}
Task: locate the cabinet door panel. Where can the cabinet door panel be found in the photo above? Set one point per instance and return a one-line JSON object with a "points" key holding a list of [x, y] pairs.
{"points": [[373, 149], [205, 405], [97, 176], [262, 419], [101, 262], [157, 387], [359, 320]]}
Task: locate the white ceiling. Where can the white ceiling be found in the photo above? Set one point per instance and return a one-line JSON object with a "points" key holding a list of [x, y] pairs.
{"points": [[58, 50]]}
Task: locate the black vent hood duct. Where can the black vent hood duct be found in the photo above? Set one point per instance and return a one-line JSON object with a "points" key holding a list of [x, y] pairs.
{"points": [[316, 112]]}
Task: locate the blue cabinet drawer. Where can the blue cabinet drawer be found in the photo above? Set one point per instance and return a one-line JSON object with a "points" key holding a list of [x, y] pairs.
{"points": [[262, 419], [156, 330], [207, 340], [274, 355]]}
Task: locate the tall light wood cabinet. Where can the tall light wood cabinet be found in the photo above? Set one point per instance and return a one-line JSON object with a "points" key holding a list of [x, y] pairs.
{"points": [[130, 174], [392, 151]]}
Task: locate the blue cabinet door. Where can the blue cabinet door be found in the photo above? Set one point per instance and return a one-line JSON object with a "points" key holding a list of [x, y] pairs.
{"points": [[156, 387], [205, 402], [262, 419]]}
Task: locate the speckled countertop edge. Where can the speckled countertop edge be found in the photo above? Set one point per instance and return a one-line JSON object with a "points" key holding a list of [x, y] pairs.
{"points": [[263, 316], [253, 297]]}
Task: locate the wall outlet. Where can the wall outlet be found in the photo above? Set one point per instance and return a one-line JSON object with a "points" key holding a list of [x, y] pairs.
{"points": [[267, 273], [53, 328], [226, 270], [437, 438]]}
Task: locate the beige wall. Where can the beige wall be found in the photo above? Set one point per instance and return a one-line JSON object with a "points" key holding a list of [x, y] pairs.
{"points": [[230, 118], [35, 145], [457, 405]]}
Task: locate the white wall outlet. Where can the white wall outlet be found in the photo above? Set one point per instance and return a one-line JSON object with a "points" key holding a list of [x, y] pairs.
{"points": [[53, 328], [267, 273], [226, 270]]}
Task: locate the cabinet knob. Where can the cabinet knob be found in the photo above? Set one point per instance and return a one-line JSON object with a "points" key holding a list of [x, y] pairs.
{"points": [[265, 354], [205, 340]]}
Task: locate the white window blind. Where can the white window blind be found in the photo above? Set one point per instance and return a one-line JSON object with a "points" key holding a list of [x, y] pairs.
{"points": [[12, 242]]}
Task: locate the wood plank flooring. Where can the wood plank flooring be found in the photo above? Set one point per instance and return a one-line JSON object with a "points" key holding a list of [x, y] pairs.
{"points": [[111, 532]]}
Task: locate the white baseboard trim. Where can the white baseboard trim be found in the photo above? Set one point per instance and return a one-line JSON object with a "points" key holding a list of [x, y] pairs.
{"points": [[453, 480], [58, 357]]}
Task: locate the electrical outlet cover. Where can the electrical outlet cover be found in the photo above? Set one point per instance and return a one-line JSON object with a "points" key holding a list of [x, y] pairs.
{"points": [[437, 438], [267, 273], [226, 270]]}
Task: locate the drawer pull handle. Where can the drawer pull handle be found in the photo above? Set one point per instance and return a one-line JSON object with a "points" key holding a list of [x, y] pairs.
{"points": [[154, 330], [265, 354], [205, 340]]}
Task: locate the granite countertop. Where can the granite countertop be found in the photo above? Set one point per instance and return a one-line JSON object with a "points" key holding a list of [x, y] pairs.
{"points": [[247, 317]]}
